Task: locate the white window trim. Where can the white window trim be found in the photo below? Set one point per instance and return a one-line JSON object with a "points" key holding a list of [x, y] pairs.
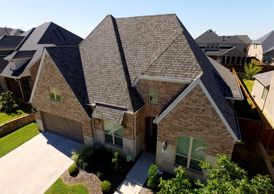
{"points": [[189, 154], [113, 137], [54, 94]]}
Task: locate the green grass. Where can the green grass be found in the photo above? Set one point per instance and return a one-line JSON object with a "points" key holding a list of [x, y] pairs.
{"points": [[249, 85], [61, 188], [4, 117], [17, 138]]}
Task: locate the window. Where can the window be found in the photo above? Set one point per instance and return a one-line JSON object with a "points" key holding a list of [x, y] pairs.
{"points": [[113, 133], [190, 152], [153, 96], [264, 94], [54, 94]]}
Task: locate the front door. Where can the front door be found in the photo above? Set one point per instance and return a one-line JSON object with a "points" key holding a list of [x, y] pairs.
{"points": [[151, 135]]}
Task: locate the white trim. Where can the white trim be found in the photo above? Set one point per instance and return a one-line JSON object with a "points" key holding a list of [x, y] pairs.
{"points": [[159, 78], [177, 100], [38, 75], [218, 111]]}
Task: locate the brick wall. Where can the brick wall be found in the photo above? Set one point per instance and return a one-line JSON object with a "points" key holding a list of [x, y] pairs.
{"points": [[195, 116], [69, 107]]}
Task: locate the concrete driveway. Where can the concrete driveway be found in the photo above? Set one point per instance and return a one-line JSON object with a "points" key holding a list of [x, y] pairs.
{"points": [[34, 166]]}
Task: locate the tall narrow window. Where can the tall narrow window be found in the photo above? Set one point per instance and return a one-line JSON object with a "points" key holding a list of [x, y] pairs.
{"points": [[190, 152], [54, 94], [153, 96], [264, 94], [113, 133]]}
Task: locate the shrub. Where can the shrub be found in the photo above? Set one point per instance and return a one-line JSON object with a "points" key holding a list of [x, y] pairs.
{"points": [[99, 174], [8, 103], [73, 170], [153, 177], [250, 70], [105, 186], [82, 157], [116, 161]]}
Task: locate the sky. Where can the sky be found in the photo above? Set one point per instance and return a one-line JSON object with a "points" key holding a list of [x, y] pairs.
{"points": [[226, 17]]}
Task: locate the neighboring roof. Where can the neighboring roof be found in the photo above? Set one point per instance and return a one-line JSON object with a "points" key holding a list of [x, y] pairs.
{"points": [[264, 78], [120, 50], [46, 35], [68, 61], [5, 31], [267, 41], [230, 85], [10, 42], [210, 37]]}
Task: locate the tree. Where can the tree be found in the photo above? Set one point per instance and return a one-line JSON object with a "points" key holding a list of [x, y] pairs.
{"points": [[226, 177], [179, 184], [8, 104], [250, 70]]}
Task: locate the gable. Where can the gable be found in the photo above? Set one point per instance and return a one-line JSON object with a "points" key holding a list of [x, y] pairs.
{"points": [[195, 116], [49, 76]]}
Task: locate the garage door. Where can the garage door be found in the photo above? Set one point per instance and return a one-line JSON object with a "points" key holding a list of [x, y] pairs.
{"points": [[62, 126]]}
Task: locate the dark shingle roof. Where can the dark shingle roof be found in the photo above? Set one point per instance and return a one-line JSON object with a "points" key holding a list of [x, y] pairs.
{"points": [[120, 50], [5, 31], [36, 39], [23, 54], [10, 42], [68, 61], [228, 80], [210, 37], [267, 41]]}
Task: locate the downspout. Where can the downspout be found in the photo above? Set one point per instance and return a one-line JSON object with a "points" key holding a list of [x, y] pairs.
{"points": [[135, 135]]}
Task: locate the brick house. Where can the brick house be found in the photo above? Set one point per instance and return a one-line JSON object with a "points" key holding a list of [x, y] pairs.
{"points": [[20, 67], [139, 84]]}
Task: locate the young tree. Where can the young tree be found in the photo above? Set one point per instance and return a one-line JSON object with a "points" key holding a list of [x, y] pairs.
{"points": [[225, 177], [8, 103], [250, 70]]}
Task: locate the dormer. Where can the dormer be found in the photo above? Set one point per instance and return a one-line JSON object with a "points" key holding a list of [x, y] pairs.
{"points": [[19, 58]]}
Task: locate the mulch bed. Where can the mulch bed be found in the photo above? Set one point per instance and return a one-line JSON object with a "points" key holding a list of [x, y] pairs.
{"points": [[90, 180]]}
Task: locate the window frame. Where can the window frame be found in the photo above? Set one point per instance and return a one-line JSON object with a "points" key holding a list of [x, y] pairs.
{"points": [[155, 92], [113, 135], [54, 94], [264, 93], [188, 156]]}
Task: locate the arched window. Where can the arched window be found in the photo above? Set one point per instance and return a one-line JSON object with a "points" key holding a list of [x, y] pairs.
{"points": [[190, 152]]}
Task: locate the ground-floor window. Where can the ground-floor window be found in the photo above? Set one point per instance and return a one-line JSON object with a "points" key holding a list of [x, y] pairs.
{"points": [[113, 133], [190, 152]]}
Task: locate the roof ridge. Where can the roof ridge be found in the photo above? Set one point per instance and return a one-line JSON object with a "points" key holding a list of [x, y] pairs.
{"points": [[163, 48], [157, 15]]}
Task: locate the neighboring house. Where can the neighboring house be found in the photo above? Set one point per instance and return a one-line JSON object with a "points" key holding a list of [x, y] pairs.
{"points": [[139, 84], [263, 48], [263, 94], [20, 72], [9, 31], [8, 44], [227, 50]]}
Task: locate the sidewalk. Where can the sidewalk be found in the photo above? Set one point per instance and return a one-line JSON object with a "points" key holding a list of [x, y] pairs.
{"points": [[137, 176]]}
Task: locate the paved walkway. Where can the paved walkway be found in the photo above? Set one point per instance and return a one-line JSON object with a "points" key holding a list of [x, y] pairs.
{"points": [[34, 166], [137, 176]]}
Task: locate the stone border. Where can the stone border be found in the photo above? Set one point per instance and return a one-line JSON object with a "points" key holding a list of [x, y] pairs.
{"points": [[14, 124]]}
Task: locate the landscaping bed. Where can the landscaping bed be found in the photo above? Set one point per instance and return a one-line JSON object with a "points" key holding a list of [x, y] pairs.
{"points": [[98, 165], [17, 138]]}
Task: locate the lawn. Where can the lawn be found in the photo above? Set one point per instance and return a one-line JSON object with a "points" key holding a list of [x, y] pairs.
{"points": [[4, 117], [249, 85], [17, 138], [61, 188]]}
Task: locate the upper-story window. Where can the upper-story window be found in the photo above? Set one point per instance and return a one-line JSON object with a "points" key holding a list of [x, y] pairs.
{"points": [[264, 94], [190, 152], [153, 96], [54, 94]]}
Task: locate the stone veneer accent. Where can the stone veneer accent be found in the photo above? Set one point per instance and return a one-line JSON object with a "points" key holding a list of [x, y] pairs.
{"points": [[69, 107], [14, 124], [194, 116]]}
